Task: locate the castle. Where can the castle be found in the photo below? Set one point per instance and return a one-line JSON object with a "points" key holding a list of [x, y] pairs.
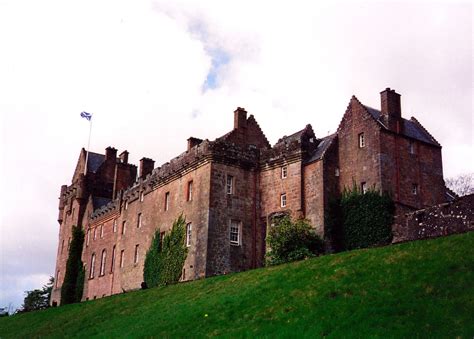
{"points": [[233, 188]]}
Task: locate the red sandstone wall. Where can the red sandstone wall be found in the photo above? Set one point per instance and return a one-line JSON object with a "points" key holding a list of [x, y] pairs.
{"points": [[314, 195]]}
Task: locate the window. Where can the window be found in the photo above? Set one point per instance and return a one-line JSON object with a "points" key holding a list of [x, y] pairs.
{"points": [[283, 200], [88, 236], [190, 191], [91, 273], [162, 236], [73, 213], [57, 279], [115, 226], [189, 228], [142, 196], [235, 232], [414, 189], [124, 226], [95, 233], [113, 260], [102, 262], [102, 230], [184, 274], [126, 204], [62, 246], [135, 258], [167, 201], [284, 172], [122, 257], [139, 220], [337, 172], [229, 185], [411, 147], [363, 187], [361, 140]]}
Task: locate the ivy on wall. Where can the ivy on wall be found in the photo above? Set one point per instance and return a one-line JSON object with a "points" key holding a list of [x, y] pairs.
{"points": [[164, 261], [73, 285], [365, 219]]}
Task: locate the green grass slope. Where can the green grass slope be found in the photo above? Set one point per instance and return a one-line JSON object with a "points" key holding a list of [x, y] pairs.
{"points": [[418, 289]]}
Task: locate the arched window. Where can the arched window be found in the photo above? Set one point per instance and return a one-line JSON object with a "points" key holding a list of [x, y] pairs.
{"points": [[91, 274], [113, 260], [102, 262]]}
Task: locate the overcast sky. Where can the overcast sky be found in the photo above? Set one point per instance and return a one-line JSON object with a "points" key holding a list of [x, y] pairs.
{"points": [[154, 73]]}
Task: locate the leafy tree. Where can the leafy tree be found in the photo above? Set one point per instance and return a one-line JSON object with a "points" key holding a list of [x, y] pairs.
{"points": [[38, 299], [290, 241], [366, 218], [462, 184], [164, 261], [71, 290]]}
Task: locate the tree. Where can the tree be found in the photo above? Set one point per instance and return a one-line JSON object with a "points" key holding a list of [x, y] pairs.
{"points": [[164, 261], [291, 241], [462, 184], [38, 299], [71, 290]]}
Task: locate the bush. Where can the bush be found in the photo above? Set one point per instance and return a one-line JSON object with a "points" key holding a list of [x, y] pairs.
{"points": [[366, 219], [164, 262], [73, 285], [291, 241]]}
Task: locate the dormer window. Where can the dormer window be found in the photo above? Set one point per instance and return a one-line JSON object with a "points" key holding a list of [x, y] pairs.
{"points": [[284, 172], [361, 140]]}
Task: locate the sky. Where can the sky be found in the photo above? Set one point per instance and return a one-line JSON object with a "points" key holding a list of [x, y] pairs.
{"points": [[154, 73]]}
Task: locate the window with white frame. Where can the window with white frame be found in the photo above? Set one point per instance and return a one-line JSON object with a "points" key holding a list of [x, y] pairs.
{"points": [[102, 230], [229, 187], [283, 200], [102, 262], [361, 140], [139, 220], [167, 201], [235, 230], [190, 191], [189, 229], [122, 258], [363, 187], [135, 259], [284, 172], [95, 233], [414, 189], [91, 273], [115, 225], [142, 196]]}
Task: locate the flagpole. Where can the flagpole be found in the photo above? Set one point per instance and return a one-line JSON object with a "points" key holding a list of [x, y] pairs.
{"points": [[88, 145]]}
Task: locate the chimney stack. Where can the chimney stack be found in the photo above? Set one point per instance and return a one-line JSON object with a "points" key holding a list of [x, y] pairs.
{"points": [[240, 118], [124, 157], [391, 108], [146, 167], [110, 153], [192, 141]]}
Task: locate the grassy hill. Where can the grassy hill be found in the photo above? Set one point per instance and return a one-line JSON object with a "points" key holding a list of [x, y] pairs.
{"points": [[418, 289]]}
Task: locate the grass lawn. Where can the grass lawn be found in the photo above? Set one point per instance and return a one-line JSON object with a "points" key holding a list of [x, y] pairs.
{"points": [[418, 289]]}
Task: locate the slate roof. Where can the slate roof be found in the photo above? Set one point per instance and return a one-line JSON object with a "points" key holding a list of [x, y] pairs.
{"points": [[98, 202], [322, 147], [410, 128], [94, 161]]}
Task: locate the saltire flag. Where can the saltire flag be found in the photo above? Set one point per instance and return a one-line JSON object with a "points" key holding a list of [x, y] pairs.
{"points": [[86, 115]]}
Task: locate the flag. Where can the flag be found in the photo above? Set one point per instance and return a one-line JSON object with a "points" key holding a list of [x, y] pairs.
{"points": [[86, 115]]}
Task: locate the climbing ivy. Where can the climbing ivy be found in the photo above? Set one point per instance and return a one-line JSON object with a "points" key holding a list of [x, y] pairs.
{"points": [[164, 261], [73, 285]]}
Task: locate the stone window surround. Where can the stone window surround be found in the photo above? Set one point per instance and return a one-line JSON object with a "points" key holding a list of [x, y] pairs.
{"points": [[361, 139]]}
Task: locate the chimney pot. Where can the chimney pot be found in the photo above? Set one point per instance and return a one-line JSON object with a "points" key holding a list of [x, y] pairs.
{"points": [[146, 167], [110, 153]]}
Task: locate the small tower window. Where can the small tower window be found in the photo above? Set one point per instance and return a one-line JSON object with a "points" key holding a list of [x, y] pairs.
{"points": [[363, 187], [115, 225], [102, 262], [113, 260], [135, 260], [284, 172], [189, 228], [139, 220], [235, 232], [124, 227], [411, 147], [102, 230], [122, 257], [142, 196], [283, 200], [230, 185], [190, 191], [167, 201], [91, 273], [361, 140], [414, 189]]}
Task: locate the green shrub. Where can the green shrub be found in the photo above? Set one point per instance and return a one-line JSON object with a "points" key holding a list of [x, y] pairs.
{"points": [[291, 241], [164, 261], [366, 218], [71, 290]]}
